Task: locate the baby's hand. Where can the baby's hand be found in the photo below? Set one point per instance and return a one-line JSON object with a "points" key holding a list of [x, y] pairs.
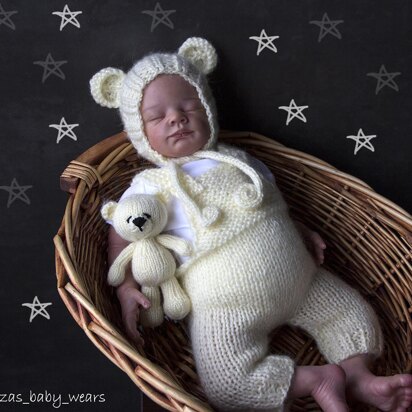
{"points": [[130, 300], [316, 246], [314, 242]]}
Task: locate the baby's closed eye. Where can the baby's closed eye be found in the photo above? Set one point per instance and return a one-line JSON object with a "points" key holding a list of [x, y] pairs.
{"points": [[192, 106], [153, 118]]}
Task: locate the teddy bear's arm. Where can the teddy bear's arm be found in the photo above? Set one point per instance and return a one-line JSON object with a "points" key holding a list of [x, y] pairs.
{"points": [[118, 268], [177, 244]]}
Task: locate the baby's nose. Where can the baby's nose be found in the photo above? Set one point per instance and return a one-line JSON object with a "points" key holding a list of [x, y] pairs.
{"points": [[177, 116], [139, 222]]}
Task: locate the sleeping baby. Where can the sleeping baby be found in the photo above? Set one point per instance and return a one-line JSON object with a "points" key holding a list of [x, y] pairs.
{"points": [[250, 270]]}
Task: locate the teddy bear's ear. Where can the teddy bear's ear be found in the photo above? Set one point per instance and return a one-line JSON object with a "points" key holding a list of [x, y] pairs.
{"points": [[107, 210], [105, 87], [200, 52]]}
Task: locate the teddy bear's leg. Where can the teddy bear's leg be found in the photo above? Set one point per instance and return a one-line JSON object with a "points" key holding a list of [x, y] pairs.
{"points": [[338, 317], [153, 316], [176, 303]]}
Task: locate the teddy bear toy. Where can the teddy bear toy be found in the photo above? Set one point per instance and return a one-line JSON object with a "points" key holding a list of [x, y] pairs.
{"points": [[140, 219]]}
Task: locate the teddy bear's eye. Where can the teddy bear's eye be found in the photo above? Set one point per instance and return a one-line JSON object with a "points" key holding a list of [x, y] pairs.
{"points": [[127, 220], [147, 215]]}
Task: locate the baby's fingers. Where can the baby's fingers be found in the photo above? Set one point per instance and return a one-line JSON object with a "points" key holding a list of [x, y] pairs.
{"points": [[130, 319], [317, 240], [131, 314], [141, 299], [320, 257]]}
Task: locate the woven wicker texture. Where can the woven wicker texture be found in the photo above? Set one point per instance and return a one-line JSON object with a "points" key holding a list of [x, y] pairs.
{"points": [[369, 243]]}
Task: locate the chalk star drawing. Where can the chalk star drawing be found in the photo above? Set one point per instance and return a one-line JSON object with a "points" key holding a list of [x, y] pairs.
{"points": [[362, 141], [292, 106], [5, 18], [158, 20], [68, 132], [34, 312], [382, 82], [324, 29], [50, 67], [265, 42], [66, 20], [16, 192]]}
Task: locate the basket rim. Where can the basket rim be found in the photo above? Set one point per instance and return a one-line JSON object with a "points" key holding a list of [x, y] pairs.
{"points": [[92, 156]]}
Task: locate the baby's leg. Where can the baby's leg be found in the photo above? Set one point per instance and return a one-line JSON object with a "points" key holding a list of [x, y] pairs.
{"points": [[233, 364], [338, 317], [176, 304], [347, 332]]}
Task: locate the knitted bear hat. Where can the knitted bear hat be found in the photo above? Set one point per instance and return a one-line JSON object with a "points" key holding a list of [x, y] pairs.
{"points": [[195, 59], [113, 88]]}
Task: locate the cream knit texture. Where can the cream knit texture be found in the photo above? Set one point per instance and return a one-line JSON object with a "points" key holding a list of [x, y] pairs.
{"points": [[251, 272]]}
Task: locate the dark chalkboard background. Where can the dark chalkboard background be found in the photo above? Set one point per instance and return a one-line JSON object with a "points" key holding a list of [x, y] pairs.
{"points": [[330, 76]]}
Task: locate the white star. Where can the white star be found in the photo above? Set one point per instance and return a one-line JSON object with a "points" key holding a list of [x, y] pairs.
{"points": [[324, 30], [50, 67], [16, 192], [362, 141], [157, 20], [265, 41], [66, 20], [68, 132], [34, 312], [382, 82], [292, 106], [5, 18]]}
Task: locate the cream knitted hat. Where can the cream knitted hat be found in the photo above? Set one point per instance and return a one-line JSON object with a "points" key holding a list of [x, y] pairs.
{"points": [[113, 88], [195, 59]]}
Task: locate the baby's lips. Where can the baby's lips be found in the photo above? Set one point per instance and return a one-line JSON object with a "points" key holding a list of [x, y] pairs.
{"points": [[179, 133]]}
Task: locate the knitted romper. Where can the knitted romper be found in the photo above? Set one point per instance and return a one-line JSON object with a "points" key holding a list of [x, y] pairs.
{"points": [[251, 272]]}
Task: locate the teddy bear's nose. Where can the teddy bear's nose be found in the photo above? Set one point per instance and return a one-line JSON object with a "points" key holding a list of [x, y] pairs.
{"points": [[139, 222]]}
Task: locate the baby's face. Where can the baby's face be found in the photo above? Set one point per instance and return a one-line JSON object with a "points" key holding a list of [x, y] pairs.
{"points": [[174, 118]]}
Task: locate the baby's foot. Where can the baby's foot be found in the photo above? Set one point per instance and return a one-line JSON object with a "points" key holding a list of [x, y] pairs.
{"points": [[325, 383], [387, 393], [329, 393]]}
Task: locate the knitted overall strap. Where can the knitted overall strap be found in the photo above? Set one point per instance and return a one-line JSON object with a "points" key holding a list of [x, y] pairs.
{"points": [[248, 196], [208, 215]]}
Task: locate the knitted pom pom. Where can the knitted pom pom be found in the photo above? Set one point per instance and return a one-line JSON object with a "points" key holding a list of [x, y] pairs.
{"points": [[248, 197], [105, 86], [199, 52]]}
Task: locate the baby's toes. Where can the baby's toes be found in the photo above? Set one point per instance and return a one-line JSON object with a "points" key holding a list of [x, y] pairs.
{"points": [[408, 393], [407, 399], [399, 383], [405, 380], [404, 397], [405, 404]]}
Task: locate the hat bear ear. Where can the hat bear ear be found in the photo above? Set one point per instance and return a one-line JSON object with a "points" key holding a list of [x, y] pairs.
{"points": [[108, 210], [199, 52], [105, 87]]}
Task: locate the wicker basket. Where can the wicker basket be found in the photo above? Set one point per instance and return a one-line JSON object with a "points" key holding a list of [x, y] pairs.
{"points": [[369, 245]]}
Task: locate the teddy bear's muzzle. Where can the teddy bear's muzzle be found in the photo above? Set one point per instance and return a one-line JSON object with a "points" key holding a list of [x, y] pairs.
{"points": [[141, 220]]}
